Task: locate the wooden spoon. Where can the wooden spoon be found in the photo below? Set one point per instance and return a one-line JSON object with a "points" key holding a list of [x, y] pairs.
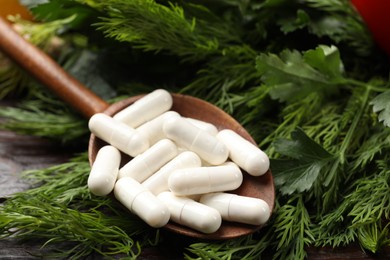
{"points": [[48, 72]]}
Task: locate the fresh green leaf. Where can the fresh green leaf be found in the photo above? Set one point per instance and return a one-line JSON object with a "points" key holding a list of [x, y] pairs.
{"points": [[381, 105], [300, 147], [326, 59], [290, 24], [310, 159], [292, 76]]}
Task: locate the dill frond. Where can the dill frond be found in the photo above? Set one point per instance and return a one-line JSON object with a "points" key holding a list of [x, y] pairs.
{"points": [[155, 27], [247, 247], [12, 79], [354, 125], [225, 75], [359, 213], [374, 237], [293, 115], [62, 209], [293, 229], [374, 146], [45, 116], [91, 230]]}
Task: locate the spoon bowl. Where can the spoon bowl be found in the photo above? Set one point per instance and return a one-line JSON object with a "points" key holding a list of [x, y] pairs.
{"points": [[50, 74], [261, 187]]}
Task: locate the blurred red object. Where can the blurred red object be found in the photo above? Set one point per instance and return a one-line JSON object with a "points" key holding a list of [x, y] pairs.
{"points": [[376, 14]]}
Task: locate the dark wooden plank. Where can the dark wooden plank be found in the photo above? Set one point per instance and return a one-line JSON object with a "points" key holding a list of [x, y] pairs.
{"points": [[351, 252], [19, 153]]}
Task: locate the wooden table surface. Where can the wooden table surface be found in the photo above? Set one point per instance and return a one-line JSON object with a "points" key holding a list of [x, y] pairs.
{"points": [[19, 153]]}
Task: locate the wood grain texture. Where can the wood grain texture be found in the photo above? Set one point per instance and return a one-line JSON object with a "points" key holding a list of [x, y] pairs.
{"points": [[48, 72], [19, 153]]}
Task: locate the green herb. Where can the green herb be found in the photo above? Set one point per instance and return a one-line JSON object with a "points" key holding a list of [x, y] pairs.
{"points": [[361, 213], [304, 77], [300, 174], [381, 104], [63, 210], [44, 116]]}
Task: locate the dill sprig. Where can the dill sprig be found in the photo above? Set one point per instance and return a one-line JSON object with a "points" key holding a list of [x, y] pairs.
{"points": [[62, 210], [293, 229], [361, 214], [91, 230], [45, 116], [12, 79], [247, 247], [185, 36]]}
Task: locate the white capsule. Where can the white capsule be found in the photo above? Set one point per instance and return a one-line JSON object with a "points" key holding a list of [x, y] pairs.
{"points": [[158, 182], [210, 128], [104, 171], [141, 202], [201, 180], [190, 213], [153, 128], [207, 146], [237, 208], [145, 108], [119, 135], [144, 165], [245, 154]]}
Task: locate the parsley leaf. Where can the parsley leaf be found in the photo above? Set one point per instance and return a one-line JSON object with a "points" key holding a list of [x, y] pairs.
{"points": [[381, 105], [292, 75], [299, 173], [289, 24]]}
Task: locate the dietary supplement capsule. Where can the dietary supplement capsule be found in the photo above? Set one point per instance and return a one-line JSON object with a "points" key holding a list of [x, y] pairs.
{"points": [[207, 146], [158, 182], [210, 128], [238, 208], [201, 180], [141, 202], [153, 128], [119, 135], [246, 155], [104, 171], [145, 108], [147, 163], [190, 213]]}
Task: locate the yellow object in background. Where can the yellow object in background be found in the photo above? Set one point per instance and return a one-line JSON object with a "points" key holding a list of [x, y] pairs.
{"points": [[13, 7]]}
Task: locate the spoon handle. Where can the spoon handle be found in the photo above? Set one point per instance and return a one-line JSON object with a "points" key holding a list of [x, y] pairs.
{"points": [[48, 72]]}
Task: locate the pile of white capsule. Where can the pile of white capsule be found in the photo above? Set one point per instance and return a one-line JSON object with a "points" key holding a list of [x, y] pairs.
{"points": [[181, 167]]}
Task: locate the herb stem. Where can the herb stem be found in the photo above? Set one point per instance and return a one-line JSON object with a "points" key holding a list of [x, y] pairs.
{"points": [[354, 124], [365, 85]]}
